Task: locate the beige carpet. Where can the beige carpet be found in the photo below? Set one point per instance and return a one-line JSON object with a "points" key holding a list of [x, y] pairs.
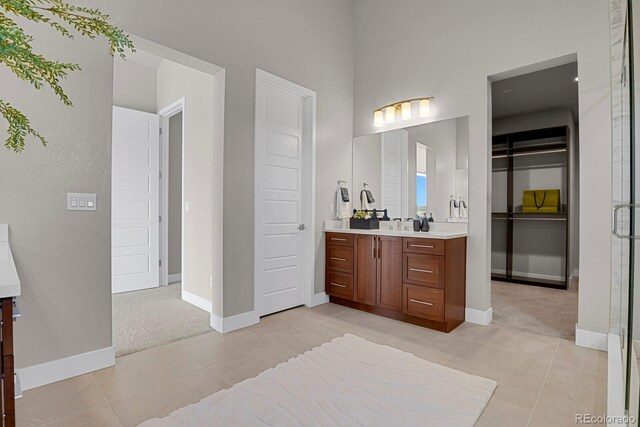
{"points": [[145, 319], [544, 311], [348, 381]]}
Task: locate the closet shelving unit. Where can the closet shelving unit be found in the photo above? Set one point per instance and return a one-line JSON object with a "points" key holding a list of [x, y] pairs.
{"points": [[535, 144]]}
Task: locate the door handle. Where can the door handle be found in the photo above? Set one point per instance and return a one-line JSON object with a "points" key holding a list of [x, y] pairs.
{"points": [[419, 270], [338, 259], [302, 227], [421, 302], [373, 247], [616, 209]]}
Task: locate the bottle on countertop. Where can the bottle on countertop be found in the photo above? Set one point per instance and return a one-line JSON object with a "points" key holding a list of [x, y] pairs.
{"points": [[424, 223], [431, 218]]}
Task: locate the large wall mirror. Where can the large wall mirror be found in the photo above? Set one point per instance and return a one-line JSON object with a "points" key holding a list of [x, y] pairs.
{"points": [[414, 171]]}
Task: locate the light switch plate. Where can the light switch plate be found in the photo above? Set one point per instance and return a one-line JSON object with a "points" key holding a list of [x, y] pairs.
{"points": [[81, 202]]}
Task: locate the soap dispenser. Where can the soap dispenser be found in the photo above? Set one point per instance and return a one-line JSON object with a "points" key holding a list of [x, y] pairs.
{"points": [[424, 223]]}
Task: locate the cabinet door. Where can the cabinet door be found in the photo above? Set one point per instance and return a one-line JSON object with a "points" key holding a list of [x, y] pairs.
{"points": [[366, 269], [390, 273]]}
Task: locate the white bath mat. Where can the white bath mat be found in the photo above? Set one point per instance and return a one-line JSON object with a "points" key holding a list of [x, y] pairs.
{"points": [[348, 381]]}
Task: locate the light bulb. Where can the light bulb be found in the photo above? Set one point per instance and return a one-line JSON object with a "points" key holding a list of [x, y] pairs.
{"points": [[406, 111], [377, 118], [424, 108], [390, 114]]}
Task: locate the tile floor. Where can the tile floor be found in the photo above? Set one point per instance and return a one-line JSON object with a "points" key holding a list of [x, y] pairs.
{"points": [[543, 381]]}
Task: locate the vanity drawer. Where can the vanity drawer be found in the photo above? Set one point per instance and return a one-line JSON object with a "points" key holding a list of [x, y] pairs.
{"points": [[340, 284], [341, 239], [340, 258], [424, 246], [425, 270], [423, 302]]}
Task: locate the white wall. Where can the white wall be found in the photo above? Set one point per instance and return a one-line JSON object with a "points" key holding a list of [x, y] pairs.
{"points": [[448, 50], [176, 81], [134, 85]]}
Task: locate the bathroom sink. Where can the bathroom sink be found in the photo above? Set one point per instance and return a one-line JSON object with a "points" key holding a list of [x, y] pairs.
{"points": [[457, 220]]}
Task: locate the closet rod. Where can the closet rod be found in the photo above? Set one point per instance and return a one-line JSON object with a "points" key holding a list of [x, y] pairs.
{"points": [[500, 156], [538, 219]]}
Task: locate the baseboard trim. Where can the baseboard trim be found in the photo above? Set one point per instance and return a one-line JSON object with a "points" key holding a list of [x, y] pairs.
{"points": [[318, 299], [69, 367], [478, 317], [175, 278], [529, 275], [199, 302], [232, 323], [589, 339]]}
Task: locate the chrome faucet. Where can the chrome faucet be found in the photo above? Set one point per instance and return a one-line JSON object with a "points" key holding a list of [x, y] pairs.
{"points": [[462, 208], [452, 206]]}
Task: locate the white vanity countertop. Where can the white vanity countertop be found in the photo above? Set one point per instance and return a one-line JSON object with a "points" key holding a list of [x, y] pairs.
{"points": [[9, 280], [398, 233]]}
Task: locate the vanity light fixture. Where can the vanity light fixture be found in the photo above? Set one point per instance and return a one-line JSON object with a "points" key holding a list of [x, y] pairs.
{"points": [[389, 112], [425, 107], [377, 119], [406, 111]]}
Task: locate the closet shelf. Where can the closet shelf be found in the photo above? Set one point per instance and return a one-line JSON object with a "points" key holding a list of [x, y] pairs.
{"points": [[562, 216], [540, 146], [529, 150]]}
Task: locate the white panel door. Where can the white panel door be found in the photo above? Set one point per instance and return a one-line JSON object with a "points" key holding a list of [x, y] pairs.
{"points": [[394, 165], [135, 193], [279, 207]]}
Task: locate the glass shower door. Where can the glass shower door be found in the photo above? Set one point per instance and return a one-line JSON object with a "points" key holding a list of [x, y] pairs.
{"points": [[625, 215]]}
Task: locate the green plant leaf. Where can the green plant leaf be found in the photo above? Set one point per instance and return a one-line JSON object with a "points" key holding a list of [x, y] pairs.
{"points": [[16, 52]]}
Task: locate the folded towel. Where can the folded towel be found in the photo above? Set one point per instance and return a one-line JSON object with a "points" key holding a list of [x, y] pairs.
{"points": [[370, 198], [345, 194], [366, 198], [343, 208]]}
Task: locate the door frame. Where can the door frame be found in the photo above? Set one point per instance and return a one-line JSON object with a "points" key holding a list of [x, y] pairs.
{"points": [[165, 114], [308, 190]]}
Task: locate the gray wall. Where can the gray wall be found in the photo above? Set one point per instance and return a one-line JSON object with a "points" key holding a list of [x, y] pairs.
{"points": [[175, 194], [134, 85], [308, 42], [63, 258], [449, 50], [176, 81]]}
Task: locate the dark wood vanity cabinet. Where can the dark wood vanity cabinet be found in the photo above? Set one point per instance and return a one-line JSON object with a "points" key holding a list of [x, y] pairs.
{"points": [[379, 271], [417, 280], [389, 293]]}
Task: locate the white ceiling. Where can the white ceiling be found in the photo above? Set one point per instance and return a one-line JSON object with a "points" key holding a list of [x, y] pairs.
{"points": [[536, 92]]}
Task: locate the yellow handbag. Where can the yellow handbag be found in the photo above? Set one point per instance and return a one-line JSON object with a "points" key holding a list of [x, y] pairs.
{"points": [[541, 201]]}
